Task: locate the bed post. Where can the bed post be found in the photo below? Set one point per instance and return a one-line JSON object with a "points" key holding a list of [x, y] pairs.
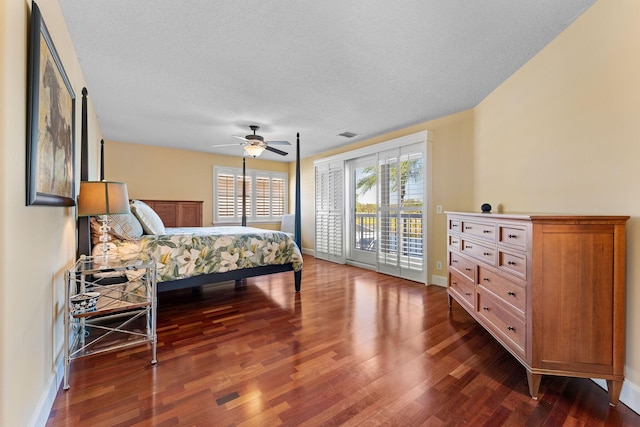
{"points": [[297, 232], [244, 192], [239, 282], [102, 160], [84, 243]]}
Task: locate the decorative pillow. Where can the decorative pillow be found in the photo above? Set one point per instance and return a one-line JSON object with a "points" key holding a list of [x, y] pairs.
{"points": [[124, 226], [151, 222]]}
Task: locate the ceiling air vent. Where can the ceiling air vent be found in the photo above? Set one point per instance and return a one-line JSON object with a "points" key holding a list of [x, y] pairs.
{"points": [[347, 134]]}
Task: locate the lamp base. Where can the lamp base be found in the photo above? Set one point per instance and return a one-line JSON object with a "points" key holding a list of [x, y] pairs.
{"points": [[105, 258]]}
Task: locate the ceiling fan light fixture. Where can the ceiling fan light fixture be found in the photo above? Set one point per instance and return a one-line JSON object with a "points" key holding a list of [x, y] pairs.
{"points": [[253, 150], [254, 138]]}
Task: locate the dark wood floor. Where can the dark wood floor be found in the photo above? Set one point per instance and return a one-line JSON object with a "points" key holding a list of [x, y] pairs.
{"points": [[353, 348]]}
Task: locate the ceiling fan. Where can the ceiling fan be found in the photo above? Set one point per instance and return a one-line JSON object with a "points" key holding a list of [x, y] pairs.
{"points": [[254, 144]]}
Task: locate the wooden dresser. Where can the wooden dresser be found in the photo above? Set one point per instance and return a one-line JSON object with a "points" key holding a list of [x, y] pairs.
{"points": [[550, 289], [178, 213]]}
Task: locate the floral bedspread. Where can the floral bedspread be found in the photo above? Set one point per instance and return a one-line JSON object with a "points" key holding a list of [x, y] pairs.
{"points": [[191, 251]]}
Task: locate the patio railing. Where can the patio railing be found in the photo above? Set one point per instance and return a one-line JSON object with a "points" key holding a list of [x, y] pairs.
{"points": [[369, 236]]}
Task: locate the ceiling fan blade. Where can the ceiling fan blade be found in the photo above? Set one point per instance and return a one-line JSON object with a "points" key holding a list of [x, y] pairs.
{"points": [[275, 150], [240, 137], [242, 144], [278, 142]]}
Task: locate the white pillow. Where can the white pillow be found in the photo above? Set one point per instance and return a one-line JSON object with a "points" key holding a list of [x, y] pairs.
{"points": [[151, 222], [124, 226]]}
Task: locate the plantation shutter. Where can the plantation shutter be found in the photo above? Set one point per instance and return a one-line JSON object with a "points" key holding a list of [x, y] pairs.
{"points": [[239, 197], [266, 195], [329, 212], [263, 201], [277, 197], [226, 194], [401, 212]]}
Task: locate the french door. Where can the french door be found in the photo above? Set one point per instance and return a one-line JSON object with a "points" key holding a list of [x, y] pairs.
{"points": [[362, 184], [401, 203], [371, 207]]}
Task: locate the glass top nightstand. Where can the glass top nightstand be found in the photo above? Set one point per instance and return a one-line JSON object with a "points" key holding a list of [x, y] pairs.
{"points": [[109, 305], [90, 264]]}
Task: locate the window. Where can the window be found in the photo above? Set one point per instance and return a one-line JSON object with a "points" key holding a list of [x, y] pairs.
{"points": [[266, 192]]}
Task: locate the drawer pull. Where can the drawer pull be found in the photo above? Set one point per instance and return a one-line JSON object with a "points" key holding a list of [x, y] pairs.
{"points": [[511, 294], [510, 328], [468, 247], [511, 263], [467, 268], [454, 283], [467, 228], [468, 294], [486, 231], [485, 308], [512, 236], [486, 279], [454, 261], [454, 225], [486, 253]]}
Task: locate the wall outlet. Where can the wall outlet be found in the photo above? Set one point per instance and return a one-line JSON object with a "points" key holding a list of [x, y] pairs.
{"points": [[438, 265], [439, 209]]}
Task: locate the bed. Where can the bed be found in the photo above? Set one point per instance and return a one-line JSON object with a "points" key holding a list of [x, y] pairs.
{"points": [[192, 257]]}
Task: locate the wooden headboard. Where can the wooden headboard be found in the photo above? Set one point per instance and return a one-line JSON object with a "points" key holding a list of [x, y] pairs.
{"points": [[177, 213]]}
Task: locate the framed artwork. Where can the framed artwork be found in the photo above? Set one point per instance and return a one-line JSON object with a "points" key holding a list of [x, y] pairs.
{"points": [[50, 122]]}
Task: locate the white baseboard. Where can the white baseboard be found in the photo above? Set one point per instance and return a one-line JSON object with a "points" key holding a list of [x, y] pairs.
{"points": [[630, 394], [45, 403], [307, 251], [438, 280], [361, 265]]}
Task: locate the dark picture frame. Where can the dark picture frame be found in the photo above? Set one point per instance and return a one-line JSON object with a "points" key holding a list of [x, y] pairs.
{"points": [[50, 122]]}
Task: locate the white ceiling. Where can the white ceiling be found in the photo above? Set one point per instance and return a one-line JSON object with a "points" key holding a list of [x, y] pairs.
{"points": [[191, 73]]}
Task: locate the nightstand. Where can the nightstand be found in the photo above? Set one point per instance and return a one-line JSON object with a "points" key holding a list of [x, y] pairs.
{"points": [[119, 310]]}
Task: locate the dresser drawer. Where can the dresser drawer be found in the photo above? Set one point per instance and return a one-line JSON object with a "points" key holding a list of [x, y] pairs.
{"points": [[463, 266], [479, 251], [513, 294], [480, 230], [455, 225], [455, 242], [514, 236], [463, 288], [504, 322], [513, 263]]}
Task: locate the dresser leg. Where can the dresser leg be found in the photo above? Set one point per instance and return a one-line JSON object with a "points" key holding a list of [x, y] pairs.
{"points": [[614, 387], [534, 384], [449, 299]]}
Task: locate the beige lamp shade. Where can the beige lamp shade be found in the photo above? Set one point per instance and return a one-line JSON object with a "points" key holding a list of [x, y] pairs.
{"points": [[254, 150], [103, 198]]}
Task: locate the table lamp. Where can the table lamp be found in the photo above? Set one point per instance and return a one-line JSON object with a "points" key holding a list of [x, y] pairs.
{"points": [[103, 198]]}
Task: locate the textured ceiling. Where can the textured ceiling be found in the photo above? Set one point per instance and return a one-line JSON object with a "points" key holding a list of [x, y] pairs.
{"points": [[190, 74]]}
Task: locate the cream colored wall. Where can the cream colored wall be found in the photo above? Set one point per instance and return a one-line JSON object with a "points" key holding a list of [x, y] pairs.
{"points": [[561, 135], [451, 174], [171, 174], [563, 129], [37, 242]]}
